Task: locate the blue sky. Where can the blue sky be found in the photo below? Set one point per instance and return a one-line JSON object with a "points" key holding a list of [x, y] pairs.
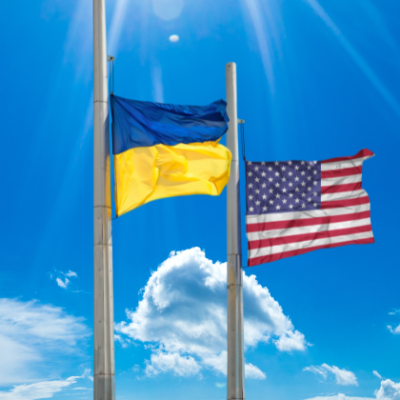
{"points": [[316, 79]]}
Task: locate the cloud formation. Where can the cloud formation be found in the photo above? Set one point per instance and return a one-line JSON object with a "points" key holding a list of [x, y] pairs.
{"points": [[343, 377], [395, 331], [40, 390], [183, 316], [340, 396], [389, 390], [64, 283], [377, 374], [172, 362], [30, 333], [61, 283]]}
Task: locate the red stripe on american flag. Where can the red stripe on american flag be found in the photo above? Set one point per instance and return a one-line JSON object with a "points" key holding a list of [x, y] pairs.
{"points": [[274, 257], [341, 172], [297, 223], [344, 203], [349, 187], [258, 244], [361, 154]]}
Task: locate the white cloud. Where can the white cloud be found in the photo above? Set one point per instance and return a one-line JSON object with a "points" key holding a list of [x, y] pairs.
{"points": [[343, 377], [183, 312], [219, 364], [340, 396], [377, 374], [253, 372], [61, 283], [291, 341], [31, 333], [388, 391], [39, 390], [395, 331], [394, 312], [64, 283], [172, 362], [317, 370]]}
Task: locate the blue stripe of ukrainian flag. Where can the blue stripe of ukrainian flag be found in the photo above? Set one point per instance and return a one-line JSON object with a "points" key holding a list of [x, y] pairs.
{"points": [[164, 150]]}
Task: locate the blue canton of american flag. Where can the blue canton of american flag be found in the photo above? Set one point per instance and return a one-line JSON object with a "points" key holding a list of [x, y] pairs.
{"points": [[294, 207], [283, 186]]}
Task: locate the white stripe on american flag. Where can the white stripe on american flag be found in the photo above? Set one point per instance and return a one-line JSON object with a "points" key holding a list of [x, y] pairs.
{"points": [[340, 165], [275, 233], [288, 216], [343, 195], [341, 180], [266, 251], [346, 219]]}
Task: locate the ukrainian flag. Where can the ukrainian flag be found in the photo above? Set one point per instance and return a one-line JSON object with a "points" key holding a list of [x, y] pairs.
{"points": [[164, 150]]}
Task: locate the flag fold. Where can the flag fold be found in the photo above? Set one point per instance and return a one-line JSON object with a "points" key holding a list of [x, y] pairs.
{"points": [[164, 150], [294, 207]]}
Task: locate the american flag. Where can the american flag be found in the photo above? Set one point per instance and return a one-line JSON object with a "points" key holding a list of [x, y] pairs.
{"points": [[294, 207]]}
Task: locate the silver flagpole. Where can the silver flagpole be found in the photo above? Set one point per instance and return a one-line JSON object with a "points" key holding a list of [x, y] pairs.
{"points": [[104, 369], [235, 387]]}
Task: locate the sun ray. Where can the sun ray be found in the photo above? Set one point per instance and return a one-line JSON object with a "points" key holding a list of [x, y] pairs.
{"points": [[356, 57]]}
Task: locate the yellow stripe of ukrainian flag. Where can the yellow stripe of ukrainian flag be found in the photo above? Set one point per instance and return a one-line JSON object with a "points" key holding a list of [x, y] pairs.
{"points": [[144, 174]]}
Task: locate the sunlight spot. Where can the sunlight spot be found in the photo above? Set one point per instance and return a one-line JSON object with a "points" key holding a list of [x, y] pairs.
{"points": [[167, 10], [174, 38]]}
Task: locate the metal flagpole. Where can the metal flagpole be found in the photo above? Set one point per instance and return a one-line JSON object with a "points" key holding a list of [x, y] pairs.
{"points": [[104, 369], [235, 386]]}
